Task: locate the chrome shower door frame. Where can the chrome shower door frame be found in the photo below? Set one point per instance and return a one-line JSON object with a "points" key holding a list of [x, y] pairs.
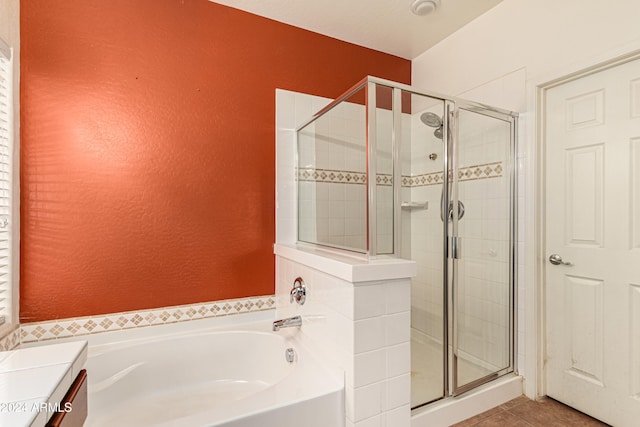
{"points": [[453, 255], [451, 239]]}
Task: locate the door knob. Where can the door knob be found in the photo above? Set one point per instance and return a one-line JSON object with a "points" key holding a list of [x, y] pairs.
{"points": [[556, 259]]}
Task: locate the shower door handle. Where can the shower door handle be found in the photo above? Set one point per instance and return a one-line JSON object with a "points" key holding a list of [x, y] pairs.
{"points": [[556, 259], [450, 209], [456, 247]]}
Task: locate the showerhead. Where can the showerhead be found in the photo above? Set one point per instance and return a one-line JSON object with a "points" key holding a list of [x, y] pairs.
{"points": [[434, 121], [431, 120]]}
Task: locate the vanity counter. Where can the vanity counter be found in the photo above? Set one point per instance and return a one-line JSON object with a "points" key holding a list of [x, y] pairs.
{"points": [[34, 381]]}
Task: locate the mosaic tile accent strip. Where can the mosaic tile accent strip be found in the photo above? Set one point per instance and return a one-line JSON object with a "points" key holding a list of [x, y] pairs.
{"points": [[469, 173], [423, 180], [11, 341], [384, 179], [332, 176], [63, 328], [342, 177]]}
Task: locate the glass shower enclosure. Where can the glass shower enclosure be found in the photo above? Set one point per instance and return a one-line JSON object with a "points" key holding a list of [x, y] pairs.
{"points": [[387, 170]]}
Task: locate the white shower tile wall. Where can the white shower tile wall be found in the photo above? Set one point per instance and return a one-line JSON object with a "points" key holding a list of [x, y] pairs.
{"points": [[484, 271], [426, 228], [361, 330], [384, 191], [331, 172], [332, 210], [427, 251], [340, 147], [292, 110]]}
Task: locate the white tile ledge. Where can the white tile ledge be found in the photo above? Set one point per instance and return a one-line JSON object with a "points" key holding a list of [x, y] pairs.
{"points": [[37, 376], [351, 269]]}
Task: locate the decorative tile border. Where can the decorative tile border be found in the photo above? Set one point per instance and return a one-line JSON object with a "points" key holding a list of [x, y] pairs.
{"points": [[342, 177], [63, 328], [423, 180], [11, 341], [469, 173], [384, 179], [332, 176]]}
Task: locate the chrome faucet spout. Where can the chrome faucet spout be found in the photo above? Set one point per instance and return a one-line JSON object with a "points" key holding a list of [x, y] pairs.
{"points": [[289, 322]]}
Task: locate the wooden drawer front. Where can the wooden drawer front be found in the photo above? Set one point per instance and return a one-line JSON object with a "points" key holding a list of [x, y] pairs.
{"points": [[77, 396]]}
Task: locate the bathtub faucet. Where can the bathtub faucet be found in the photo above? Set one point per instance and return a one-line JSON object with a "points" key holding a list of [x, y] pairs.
{"points": [[289, 322]]}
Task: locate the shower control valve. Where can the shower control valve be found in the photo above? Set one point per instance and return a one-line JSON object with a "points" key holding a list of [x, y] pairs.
{"points": [[298, 292]]}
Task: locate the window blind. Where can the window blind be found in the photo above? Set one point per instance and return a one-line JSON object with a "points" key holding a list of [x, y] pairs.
{"points": [[6, 149]]}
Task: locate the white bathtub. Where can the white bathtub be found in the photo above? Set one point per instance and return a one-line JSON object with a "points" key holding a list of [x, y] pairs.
{"points": [[236, 378]]}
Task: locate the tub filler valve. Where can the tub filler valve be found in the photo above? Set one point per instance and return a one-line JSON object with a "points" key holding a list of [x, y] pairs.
{"points": [[298, 292], [289, 322]]}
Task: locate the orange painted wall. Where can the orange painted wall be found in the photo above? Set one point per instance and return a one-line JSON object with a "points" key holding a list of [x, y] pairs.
{"points": [[148, 148]]}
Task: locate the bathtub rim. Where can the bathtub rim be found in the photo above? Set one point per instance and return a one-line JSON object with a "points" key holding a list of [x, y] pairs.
{"points": [[166, 329]]}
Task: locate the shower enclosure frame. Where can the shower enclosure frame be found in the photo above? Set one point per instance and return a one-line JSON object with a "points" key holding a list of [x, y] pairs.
{"points": [[451, 240]]}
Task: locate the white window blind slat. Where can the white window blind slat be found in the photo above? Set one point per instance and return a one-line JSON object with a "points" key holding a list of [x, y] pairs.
{"points": [[6, 120]]}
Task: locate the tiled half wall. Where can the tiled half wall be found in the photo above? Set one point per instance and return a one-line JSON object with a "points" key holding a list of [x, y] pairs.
{"points": [[359, 326], [64, 328]]}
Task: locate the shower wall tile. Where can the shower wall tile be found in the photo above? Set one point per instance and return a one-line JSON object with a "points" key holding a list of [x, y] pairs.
{"points": [[368, 334], [397, 393], [374, 421], [292, 109], [369, 367], [366, 402], [426, 250], [327, 314], [336, 214], [285, 109], [397, 417], [397, 297], [398, 359]]}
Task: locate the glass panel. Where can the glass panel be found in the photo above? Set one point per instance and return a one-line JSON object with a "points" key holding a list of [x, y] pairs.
{"points": [[332, 190], [384, 170], [482, 287], [422, 240]]}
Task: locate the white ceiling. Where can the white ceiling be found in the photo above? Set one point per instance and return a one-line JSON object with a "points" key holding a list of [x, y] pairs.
{"points": [[384, 25]]}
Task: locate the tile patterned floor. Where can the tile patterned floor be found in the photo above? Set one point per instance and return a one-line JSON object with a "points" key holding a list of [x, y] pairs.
{"points": [[522, 412]]}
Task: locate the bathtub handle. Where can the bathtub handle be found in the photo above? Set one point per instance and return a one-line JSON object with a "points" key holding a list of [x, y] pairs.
{"points": [[298, 292]]}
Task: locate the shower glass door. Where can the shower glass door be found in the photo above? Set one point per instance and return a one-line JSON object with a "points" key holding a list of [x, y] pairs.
{"points": [[462, 299], [481, 258]]}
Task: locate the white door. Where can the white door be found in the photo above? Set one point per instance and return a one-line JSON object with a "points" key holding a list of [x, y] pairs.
{"points": [[593, 222]]}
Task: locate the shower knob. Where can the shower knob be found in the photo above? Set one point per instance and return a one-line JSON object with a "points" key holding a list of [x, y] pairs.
{"points": [[298, 292]]}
